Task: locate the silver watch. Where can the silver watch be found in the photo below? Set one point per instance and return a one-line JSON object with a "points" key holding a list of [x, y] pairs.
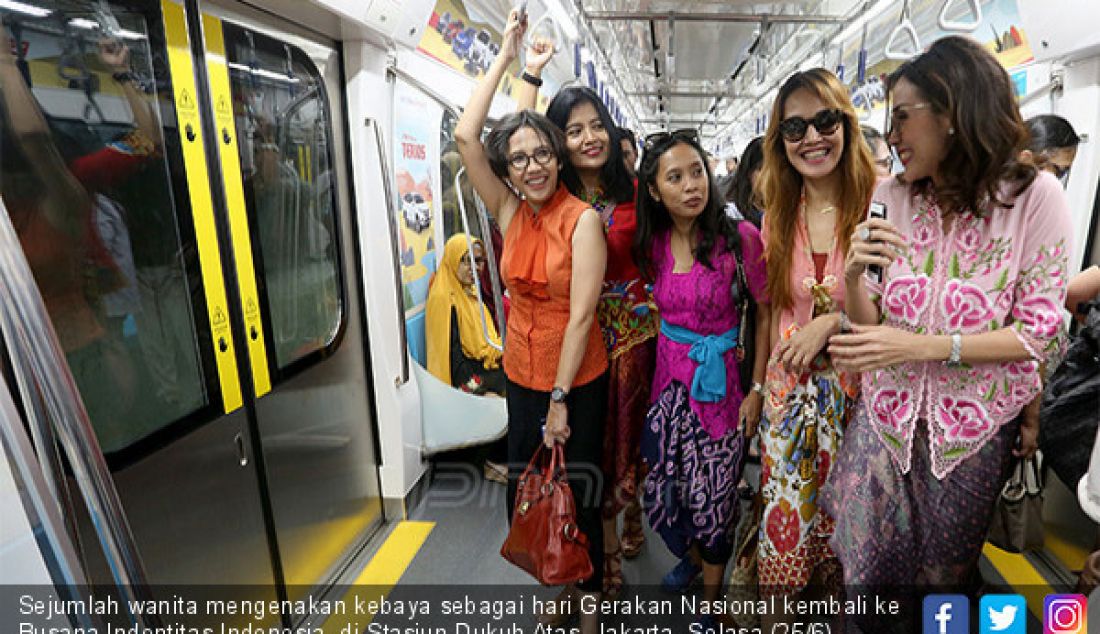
{"points": [[758, 388], [954, 360]]}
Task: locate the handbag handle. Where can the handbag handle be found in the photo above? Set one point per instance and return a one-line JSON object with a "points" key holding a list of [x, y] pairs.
{"points": [[557, 463]]}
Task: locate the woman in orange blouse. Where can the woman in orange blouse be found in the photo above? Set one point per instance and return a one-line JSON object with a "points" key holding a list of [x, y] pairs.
{"points": [[553, 266]]}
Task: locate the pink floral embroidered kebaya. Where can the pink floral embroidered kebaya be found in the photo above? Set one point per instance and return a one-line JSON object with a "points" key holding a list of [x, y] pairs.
{"points": [[1005, 267]]}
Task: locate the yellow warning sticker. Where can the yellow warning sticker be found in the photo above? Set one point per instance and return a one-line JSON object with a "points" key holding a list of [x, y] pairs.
{"points": [[202, 207], [233, 182]]}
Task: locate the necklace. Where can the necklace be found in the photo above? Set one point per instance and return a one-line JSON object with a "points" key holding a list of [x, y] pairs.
{"points": [[826, 210]]}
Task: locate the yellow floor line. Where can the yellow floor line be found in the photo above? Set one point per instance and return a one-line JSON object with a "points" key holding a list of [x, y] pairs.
{"points": [[1021, 575], [1070, 554], [379, 576]]}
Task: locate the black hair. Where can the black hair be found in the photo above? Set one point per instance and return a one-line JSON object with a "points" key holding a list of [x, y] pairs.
{"points": [[628, 134], [653, 217], [871, 136], [740, 191], [614, 178], [1050, 132], [496, 142]]}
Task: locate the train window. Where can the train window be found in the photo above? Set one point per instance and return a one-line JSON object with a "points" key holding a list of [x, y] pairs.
{"points": [[91, 193], [285, 144]]}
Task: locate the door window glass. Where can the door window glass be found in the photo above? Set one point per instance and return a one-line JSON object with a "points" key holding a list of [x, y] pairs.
{"points": [[93, 187], [285, 145]]}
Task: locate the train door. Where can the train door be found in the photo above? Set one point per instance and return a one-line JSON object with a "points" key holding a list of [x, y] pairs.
{"points": [[282, 92], [186, 217]]}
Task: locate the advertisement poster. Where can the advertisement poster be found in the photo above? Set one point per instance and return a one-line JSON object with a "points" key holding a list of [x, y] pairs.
{"points": [[469, 43], [416, 174]]}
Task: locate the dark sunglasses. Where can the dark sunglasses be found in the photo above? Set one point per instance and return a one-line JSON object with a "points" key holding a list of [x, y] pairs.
{"points": [[659, 138], [793, 129]]}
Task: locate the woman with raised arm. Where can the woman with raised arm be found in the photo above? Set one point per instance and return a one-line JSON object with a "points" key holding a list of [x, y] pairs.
{"points": [[817, 180], [553, 263], [973, 253], [596, 172], [702, 264]]}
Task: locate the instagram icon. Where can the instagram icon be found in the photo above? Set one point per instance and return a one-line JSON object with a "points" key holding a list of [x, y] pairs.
{"points": [[1065, 614]]}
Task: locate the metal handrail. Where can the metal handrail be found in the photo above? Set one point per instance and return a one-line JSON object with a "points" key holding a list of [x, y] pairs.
{"points": [[395, 237], [30, 335], [904, 27], [966, 27], [470, 255], [494, 270]]}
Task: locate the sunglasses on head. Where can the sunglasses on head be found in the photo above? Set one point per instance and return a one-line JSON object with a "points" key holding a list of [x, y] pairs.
{"points": [[658, 138], [793, 129]]}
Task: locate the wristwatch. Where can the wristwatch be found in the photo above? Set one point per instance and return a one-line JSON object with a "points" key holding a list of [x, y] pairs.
{"points": [[758, 388], [557, 395], [954, 360]]}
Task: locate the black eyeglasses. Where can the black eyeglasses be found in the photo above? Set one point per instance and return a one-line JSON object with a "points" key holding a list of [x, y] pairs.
{"points": [[793, 129], [683, 134], [542, 155]]}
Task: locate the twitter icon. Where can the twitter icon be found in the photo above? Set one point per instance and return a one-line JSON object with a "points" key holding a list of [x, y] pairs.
{"points": [[1003, 614]]}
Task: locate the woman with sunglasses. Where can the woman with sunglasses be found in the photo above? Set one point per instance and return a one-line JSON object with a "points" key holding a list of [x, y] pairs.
{"points": [[696, 429], [973, 256], [817, 180], [553, 262], [597, 173]]}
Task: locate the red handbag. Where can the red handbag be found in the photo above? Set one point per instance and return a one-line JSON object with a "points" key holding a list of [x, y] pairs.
{"points": [[544, 539]]}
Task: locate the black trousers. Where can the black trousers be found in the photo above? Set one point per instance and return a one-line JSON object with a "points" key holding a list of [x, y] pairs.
{"points": [[587, 405]]}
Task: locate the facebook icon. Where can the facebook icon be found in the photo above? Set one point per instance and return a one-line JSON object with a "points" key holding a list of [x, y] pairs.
{"points": [[946, 614]]}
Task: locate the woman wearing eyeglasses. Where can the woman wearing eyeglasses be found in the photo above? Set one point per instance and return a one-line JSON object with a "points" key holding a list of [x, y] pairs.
{"points": [[973, 252], [597, 173], [462, 340], [553, 264], [817, 180], [696, 429]]}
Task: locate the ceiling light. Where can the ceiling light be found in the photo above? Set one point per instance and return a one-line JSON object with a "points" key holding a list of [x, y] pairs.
{"points": [[84, 23], [28, 9], [865, 17]]}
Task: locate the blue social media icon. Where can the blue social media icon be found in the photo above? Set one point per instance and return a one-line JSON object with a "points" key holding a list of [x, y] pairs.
{"points": [[946, 614], [1002, 614]]}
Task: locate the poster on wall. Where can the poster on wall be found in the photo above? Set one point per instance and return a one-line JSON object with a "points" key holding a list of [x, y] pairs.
{"points": [[416, 175], [468, 43]]}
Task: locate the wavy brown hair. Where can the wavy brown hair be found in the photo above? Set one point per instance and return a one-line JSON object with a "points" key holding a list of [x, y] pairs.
{"points": [[963, 80], [781, 184]]}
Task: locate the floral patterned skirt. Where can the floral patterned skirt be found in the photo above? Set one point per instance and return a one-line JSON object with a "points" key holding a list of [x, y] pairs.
{"points": [[799, 442], [897, 529], [630, 375], [690, 492]]}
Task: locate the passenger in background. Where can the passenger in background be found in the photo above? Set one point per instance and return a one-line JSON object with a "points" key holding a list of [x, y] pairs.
{"points": [[630, 150], [743, 194], [596, 173], [696, 429], [1052, 145], [725, 181], [974, 253], [553, 263], [462, 343], [880, 152], [817, 180]]}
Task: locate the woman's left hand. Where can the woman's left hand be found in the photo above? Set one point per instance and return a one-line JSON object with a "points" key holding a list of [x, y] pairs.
{"points": [[749, 415], [557, 425], [869, 348]]}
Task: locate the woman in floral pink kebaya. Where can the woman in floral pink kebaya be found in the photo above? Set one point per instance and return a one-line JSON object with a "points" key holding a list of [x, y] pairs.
{"points": [[973, 253]]}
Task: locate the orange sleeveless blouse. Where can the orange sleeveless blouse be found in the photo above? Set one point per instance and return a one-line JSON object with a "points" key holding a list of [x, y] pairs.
{"points": [[537, 268]]}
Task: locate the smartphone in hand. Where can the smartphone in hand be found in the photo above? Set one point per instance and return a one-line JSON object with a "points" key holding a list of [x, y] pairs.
{"points": [[874, 271]]}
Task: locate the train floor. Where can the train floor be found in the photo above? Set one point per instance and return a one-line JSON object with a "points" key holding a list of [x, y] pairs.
{"points": [[463, 519]]}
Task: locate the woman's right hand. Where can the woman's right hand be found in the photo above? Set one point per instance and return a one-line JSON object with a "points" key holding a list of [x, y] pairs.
{"points": [[513, 37], [884, 243], [556, 429], [539, 54]]}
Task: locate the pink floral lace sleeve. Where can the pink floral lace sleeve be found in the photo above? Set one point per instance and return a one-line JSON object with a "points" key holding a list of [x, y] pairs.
{"points": [[1003, 268]]}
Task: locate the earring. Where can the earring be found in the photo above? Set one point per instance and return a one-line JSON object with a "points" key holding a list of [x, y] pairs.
{"points": [[951, 131]]}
